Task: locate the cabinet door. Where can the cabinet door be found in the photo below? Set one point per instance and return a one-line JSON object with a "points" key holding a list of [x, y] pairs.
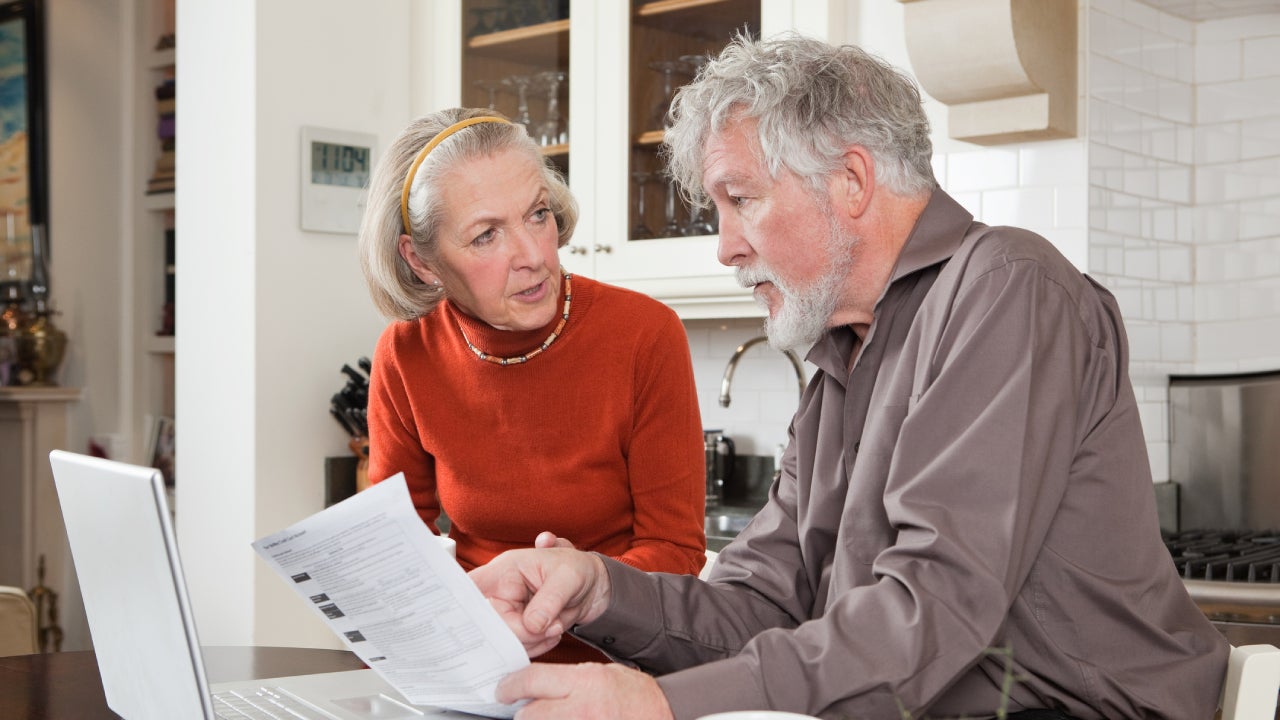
{"points": [[515, 59], [621, 62], [645, 236]]}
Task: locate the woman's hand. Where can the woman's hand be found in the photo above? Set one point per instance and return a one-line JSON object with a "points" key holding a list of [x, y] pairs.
{"points": [[541, 593]]}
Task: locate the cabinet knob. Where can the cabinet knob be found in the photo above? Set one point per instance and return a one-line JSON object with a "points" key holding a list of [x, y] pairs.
{"points": [[604, 248], [577, 250]]}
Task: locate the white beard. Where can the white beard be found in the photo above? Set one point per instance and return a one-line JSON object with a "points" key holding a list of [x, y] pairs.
{"points": [[805, 312]]}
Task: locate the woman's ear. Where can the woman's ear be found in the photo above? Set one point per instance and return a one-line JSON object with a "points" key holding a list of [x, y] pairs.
{"points": [[420, 268]]}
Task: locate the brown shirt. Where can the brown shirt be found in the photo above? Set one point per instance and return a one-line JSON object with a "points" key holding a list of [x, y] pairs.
{"points": [[970, 498]]}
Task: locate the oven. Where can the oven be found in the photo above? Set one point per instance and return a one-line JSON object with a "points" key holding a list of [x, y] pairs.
{"points": [[1224, 532]]}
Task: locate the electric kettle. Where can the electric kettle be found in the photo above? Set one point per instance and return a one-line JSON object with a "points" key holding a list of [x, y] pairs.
{"points": [[719, 452]]}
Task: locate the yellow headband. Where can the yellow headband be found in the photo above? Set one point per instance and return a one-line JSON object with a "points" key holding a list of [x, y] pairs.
{"points": [[431, 145]]}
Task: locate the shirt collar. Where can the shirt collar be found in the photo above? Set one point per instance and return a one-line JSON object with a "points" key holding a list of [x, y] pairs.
{"points": [[937, 234]]}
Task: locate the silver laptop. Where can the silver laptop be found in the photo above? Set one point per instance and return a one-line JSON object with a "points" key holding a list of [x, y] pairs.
{"points": [[140, 617]]}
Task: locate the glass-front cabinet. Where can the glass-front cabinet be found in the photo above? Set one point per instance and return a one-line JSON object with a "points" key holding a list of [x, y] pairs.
{"points": [[592, 79]]}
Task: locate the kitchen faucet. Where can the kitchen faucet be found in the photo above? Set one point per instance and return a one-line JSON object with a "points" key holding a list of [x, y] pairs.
{"points": [[733, 365]]}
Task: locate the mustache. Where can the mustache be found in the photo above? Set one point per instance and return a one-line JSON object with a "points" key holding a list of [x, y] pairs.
{"points": [[751, 276]]}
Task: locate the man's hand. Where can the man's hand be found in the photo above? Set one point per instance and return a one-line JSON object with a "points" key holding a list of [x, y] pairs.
{"points": [[541, 593], [548, 539], [588, 690]]}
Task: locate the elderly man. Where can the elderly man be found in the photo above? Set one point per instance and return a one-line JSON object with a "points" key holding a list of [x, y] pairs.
{"points": [[964, 525]]}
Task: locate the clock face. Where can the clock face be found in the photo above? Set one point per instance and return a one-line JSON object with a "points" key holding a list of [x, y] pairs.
{"points": [[339, 165]]}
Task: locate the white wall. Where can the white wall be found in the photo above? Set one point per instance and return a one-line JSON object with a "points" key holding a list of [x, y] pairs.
{"points": [[270, 312], [87, 69]]}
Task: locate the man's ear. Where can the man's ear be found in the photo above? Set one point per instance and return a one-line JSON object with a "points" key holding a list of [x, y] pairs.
{"points": [[420, 268], [859, 176]]}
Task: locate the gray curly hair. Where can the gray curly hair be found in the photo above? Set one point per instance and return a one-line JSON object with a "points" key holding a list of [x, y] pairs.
{"points": [[811, 100], [396, 290]]}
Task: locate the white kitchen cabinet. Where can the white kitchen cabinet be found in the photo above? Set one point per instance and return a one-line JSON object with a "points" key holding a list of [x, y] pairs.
{"points": [[608, 49]]}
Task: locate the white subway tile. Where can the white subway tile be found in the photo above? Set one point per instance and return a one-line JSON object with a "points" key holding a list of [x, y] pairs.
{"points": [[1260, 137], [1174, 183], [1028, 208], [982, 170], [1131, 303], [1165, 301], [1060, 162], [1142, 263], [1177, 102], [1260, 219], [1218, 61], [1073, 243], [1217, 302], [1211, 183], [1217, 143], [1260, 300], [1261, 57], [1158, 454], [1144, 340], [1071, 207], [1215, 223], [1141, 182], [971, 201], [1179, 29], [1237, 341], [1238, 28], [1164, 223], [1153, 421], [1239, 100], [1175, 264]]}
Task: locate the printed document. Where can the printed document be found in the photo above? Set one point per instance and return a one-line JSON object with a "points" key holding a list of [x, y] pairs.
{"points": [[385, 584]]}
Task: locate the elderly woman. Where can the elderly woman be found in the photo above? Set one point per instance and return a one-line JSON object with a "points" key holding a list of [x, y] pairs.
{"points": [[518, 397]]}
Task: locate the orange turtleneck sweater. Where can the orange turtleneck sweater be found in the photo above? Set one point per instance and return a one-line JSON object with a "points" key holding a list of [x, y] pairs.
{"points": [[598, 439]]}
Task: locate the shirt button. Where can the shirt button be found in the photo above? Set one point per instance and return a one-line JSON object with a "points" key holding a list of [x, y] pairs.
{"points": [[607, 640]]}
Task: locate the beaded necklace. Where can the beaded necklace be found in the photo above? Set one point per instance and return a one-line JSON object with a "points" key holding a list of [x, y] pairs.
{"points": [[564, 318]]}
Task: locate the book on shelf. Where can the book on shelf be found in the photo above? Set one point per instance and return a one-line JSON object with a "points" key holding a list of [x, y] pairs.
{"points": [[159, 445], [170, 283], [162, 180]]}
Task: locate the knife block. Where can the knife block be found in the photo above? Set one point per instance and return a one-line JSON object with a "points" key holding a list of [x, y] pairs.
{"points": [[360, 446]]}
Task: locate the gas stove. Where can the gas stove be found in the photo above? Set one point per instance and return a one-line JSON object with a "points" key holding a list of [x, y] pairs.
{"points": [[1234, 578]]}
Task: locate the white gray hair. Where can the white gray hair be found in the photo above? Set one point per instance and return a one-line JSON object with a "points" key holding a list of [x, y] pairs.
{"points": [[396, 290], [811, 101]]}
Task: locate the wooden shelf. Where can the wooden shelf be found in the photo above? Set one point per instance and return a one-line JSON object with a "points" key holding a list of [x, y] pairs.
{"points": [[665, 6], [555, 150], [162, 59], [704, 19], [532, 45], [160, 345], [651, 137], [158, 201]]}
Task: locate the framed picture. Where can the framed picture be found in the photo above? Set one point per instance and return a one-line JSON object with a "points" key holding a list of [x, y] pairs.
{"points": [[23, 138]]}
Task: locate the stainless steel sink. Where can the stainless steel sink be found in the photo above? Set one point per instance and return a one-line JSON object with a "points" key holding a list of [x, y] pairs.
{"points": [[725, 524]]}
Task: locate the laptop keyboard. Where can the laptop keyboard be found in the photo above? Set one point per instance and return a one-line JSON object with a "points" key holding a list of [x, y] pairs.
{"points": [[263, 703]]}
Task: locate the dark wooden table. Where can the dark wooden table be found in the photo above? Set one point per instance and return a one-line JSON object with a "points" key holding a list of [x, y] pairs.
{"points": [[66, 686]]}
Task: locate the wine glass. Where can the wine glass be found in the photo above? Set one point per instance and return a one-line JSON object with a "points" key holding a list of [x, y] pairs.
{"points": [[491, 90], [551, 130], [520, 83], [486, 21], [698, 223], [669, 69], [695, 62], [640, 231], [672, 228]]}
